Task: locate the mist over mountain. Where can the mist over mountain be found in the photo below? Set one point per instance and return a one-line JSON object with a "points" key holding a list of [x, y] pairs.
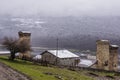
{"points": [[72, 32], [60, 7]]}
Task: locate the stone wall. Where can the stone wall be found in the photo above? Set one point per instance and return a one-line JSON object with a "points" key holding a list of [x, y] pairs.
{"points": [[46, 56], [52, 59]]}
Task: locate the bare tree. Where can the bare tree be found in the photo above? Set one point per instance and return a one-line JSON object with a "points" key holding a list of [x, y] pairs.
{"points": [[15, 46]]}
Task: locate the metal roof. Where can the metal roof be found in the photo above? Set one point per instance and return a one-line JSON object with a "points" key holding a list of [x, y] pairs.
{"points": [[86, 62], [63, 53]]}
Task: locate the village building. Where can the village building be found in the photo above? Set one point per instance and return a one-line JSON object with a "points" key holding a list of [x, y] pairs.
{"points": [[25, 36], [60, 57], [106, 55]]}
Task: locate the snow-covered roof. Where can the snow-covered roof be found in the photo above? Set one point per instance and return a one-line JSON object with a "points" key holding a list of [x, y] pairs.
{"points": [[83, 54], [4, 52], [17, 54], [25, 31], [86, 62], [63, 53], [37, 57], [114, 45], [104, 40]]}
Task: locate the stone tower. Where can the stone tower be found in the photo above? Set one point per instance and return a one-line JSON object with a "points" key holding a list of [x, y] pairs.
{"points": [[113, 61], [102, 54], [107, 55], [25, 35]]}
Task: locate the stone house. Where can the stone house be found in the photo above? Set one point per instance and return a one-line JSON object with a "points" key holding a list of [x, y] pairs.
{"points": [[60, 57]]}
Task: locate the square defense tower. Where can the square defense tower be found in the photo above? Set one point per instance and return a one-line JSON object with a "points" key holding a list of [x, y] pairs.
{"points": [[25, 36], [107, 55], [113, 60]]}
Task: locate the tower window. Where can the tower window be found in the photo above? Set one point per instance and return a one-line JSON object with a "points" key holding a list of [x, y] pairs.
{"points": [[106, 63], [115, 65]]}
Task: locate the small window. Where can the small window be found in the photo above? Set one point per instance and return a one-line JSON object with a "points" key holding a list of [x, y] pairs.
{"points": [[106, 63], [115, 65]]}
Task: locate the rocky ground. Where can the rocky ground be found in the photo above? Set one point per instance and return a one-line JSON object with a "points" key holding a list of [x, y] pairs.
{"points": [[6, 73]]}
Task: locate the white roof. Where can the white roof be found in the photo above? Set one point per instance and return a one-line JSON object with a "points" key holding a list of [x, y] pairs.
{"points": [[105, 40], [37, 57], [83, 54], [4, 52], [63, 53], [17, 54], [25, 31], [114, 45], [86, 62]]}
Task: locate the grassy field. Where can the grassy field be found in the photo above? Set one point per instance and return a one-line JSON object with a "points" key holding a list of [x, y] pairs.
{"points": [[37, 72]]}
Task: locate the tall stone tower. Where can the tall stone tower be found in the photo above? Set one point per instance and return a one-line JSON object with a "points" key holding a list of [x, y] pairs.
{"points": [[107, 55], [113, 61], [24, 36], [102, 54]]}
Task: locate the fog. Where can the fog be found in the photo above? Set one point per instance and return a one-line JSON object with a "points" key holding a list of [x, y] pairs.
{"points": [[77, 23], [60, 7]]}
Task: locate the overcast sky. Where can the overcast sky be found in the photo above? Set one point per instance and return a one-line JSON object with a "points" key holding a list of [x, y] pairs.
{"points": [[61, 7]]}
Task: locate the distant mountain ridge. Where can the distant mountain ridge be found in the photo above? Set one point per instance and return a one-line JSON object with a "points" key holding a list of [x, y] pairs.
{"points": [[72, 32]]}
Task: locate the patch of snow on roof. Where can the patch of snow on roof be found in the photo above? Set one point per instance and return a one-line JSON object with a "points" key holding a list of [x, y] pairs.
{"points": [[17, 54], [114, 45], [104, 40], [25, 31], [37, 57], [63, 53], [4, 52]]}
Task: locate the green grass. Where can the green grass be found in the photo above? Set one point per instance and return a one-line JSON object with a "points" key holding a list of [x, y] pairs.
{"points": [[37, 72]]}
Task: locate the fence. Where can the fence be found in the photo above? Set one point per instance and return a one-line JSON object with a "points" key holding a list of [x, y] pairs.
{"points": [[74, 68]]}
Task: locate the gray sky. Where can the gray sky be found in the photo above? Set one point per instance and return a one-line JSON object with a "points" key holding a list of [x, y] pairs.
{"points": [[61, 7]]}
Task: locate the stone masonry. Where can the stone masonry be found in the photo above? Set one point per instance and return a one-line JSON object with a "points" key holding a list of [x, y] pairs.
{"points": [[25, 35], [107, 55]]}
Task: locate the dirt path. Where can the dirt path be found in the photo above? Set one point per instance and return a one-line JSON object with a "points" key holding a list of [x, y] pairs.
{"points": [[7, 73]]}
